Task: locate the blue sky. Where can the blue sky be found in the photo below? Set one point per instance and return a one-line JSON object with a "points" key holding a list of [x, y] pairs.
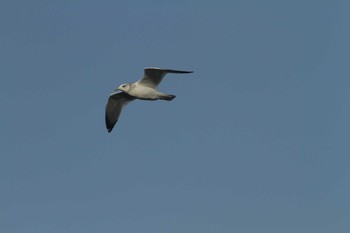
{"points": [[257, 139]]}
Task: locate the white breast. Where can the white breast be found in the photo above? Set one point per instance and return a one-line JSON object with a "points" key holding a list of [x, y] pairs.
{"points": [[143, 92]]}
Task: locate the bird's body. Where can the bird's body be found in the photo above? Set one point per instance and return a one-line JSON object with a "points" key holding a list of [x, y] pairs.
{"points": [[145, 93], [144, 89]]}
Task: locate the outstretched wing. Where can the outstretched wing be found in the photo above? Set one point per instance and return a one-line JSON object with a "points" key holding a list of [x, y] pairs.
{"points": [[153, 76], [115, 103]]}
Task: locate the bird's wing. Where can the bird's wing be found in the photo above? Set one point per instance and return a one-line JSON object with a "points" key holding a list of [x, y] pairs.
{"points": [[153, 76], [116, 102]]}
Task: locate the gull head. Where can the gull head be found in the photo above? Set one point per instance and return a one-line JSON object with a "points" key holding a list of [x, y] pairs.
{"points": [[124, 87]]}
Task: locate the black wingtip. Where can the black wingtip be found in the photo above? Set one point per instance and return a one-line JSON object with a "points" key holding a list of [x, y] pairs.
{"points": [[169, 70], [179, 71], [109, 125]]}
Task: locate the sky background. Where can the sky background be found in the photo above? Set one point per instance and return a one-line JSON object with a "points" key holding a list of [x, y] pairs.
{"points": [[257, 139]]}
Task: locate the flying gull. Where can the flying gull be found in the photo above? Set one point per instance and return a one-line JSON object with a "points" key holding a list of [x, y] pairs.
{"points": [[144, 89]]}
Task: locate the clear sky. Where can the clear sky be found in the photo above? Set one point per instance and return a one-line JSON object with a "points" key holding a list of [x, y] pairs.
{"points": [[257, 139]]}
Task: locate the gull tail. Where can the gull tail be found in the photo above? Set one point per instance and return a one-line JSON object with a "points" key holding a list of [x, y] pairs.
{"points": [[167, 97]]}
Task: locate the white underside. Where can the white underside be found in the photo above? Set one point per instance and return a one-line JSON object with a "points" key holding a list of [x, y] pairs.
{"points": [[142, 92]]}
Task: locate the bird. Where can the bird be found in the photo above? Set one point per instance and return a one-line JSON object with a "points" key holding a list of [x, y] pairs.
{"points": [[143, 89]]}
